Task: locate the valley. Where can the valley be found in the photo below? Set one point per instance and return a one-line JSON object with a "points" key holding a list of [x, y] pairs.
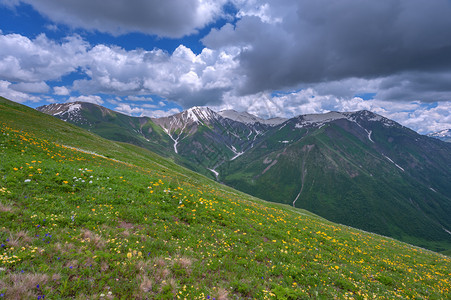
{"points": [[355, 168]]}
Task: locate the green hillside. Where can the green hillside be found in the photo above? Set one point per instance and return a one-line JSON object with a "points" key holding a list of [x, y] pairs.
{"points": [[346, 178], [83, 217], [358, 169], [139, 131]]}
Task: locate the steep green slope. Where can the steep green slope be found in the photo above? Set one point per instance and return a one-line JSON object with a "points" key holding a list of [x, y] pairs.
{"points": [[339, 173], [139, 131], [133, 225]]}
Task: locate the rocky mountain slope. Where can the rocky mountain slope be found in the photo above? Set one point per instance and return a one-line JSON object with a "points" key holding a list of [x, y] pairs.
{"points": [[358, 169]]}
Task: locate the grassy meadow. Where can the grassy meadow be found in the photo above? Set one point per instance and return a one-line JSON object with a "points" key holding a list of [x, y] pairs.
{"points": [[86, 218]]}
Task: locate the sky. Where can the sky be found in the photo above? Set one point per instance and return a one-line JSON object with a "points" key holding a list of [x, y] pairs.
{"points": [[272, 58]]}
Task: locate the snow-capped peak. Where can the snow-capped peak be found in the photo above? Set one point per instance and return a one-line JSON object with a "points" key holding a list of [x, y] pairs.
{"points": [[65, 111], [442, 133], [357, 117], [199, 114], [365, 115]]}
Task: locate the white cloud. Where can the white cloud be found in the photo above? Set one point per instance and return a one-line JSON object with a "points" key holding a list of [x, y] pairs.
{"points": [[171, 18], [14, 95], [51, 27], [183, 77], [61, 90], [91, 99], [423, 118], [31, 87], [262, 11], [145, 110], [34, 60], [128, 110], [320, 41], [305, 46], [10, 3], [160, 113], [419, 116], [140, 98]]}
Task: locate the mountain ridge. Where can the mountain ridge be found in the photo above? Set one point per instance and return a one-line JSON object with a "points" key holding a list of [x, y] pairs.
{"points": [[356, 168], [444, 135]]}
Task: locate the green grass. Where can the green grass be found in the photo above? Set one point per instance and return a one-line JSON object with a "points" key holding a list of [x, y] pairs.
{"points": [[348, 182], [125, 223]]}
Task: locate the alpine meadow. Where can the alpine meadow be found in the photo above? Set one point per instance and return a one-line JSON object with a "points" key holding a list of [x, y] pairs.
{"points": [[355, 168], [84, 217], [225, 149]]}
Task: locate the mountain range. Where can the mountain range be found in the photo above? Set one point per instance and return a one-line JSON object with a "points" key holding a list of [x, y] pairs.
{"points": [[355, 168], [444, 135]]}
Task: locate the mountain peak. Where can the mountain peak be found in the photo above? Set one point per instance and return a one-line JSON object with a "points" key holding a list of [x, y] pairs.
{"points": [[369, 116], [360, 117], [364, 114], [199, 108], [65, 111], [199, 114], [444, 135], [444, 132]]}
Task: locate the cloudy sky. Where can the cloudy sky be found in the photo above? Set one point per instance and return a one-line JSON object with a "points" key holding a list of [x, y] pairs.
{"points": [[268, 57]]}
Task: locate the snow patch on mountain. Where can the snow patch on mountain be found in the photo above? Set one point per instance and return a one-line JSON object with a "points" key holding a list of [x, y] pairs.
{"points": [[73, 107], [199, 114], [237, 154], [447, 231], [173, 138], [180, 125], [369, 135], [359, 118], [214, 172], [65, 111], [368, 116], [444, 135], [398, 166]]}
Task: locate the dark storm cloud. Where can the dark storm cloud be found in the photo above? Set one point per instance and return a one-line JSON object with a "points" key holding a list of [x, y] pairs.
{"points": [[171, 18], [313, 41], [413, 86]]}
